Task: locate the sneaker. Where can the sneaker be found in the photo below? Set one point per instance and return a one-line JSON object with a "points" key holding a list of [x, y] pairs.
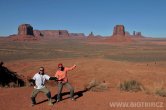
{"points": [[32, 104], [58, 100], [73, 99], [50, 103]]}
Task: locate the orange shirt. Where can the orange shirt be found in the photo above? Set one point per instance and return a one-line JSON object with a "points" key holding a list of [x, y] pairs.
{"points": [[62, 75]]}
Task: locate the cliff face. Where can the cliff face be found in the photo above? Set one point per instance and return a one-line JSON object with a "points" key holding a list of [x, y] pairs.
{"points": [[25, 29], [119, 34], [55, 33], [119, 30], [26, 32], [9, 78]]}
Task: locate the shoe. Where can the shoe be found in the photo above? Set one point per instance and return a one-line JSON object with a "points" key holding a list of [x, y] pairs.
{"points": [[50, 103], [58, 100], [32, 104], [73, 99], [33, 101]]}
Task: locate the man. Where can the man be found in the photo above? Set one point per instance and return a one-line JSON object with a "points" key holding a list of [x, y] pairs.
{"points": [[61, 74], [38, 81]]}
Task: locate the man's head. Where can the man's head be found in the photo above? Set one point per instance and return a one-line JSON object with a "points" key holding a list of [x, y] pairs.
{"points": [[41, 70], [60, 66]]}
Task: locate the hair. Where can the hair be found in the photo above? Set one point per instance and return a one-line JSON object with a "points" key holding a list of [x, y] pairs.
{"points": [[60, 64], [42, 67]]}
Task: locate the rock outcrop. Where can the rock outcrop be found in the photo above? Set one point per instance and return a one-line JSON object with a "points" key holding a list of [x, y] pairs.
{"points": [[127, 33], [119, 30], [55, 33], [119, 34], [37, 33], [25, 29], [77, 35], [91, 35], [137, 35], [25, 33], [9, 78]]}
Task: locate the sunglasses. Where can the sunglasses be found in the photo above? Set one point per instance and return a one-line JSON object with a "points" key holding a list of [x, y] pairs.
{"points": [[41, 70]]}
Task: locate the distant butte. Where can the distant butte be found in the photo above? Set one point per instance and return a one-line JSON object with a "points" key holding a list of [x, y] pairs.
{"points": [[120, 35], [26, 32]]}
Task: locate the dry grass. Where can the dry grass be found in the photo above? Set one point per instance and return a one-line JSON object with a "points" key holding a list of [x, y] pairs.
{"points": [[131, 85], [74, 48], [96, 86], [157, 89], [161, 92]]}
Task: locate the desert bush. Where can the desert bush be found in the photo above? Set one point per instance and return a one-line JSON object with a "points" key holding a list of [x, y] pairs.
{"points": [[96, 86], [161, 92], [131, 85], [157, 89]]}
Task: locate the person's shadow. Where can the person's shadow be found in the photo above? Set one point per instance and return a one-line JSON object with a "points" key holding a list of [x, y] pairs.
{"points": [[77, 95]]}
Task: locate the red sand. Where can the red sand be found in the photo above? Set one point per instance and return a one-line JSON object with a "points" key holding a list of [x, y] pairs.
{"points": [[112, 72]]}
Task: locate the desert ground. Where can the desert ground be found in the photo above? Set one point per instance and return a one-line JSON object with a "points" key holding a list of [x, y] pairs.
{"points": [[112, 63]]}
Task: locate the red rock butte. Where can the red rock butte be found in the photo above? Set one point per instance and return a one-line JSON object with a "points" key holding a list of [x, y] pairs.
{"points": [[25, 29], [119, 35], [52, 33], [91, 35], [119, 30], [26, 32]]}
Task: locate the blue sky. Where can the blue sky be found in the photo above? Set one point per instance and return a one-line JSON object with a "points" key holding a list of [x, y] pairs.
{"points": [[98, 16]]}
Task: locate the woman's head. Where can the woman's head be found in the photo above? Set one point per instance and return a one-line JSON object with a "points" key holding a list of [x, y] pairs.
{"points": [[60, 66]]}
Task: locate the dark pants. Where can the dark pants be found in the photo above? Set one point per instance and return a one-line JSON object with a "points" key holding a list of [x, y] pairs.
{"points": [[60, 87], [36, 91]]}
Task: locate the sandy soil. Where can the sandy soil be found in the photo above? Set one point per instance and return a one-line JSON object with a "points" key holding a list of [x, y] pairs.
{"points": [[150, 74]]}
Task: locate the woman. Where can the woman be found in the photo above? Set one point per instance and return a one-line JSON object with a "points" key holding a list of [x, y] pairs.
{"points": [[61, 74]]}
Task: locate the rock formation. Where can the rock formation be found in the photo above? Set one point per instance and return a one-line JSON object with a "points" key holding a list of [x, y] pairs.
{"points": [[63, 33], [119, 34], [133, 33], [137, 35], [91, 35], [127, 33], [9, 78], [25, 33], [25, 29], [37, 33], [77, 35], [119, 30], [54, 33]]}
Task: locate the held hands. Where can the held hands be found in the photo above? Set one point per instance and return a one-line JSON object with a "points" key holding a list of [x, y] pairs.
{"points": [[55, 79], [60, 80]]}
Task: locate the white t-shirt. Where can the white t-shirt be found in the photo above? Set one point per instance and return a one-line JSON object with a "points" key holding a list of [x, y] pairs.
{"points": [[40, 80]]}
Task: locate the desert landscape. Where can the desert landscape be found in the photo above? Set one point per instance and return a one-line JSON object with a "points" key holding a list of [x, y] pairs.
{"points": [[122, 67]]}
